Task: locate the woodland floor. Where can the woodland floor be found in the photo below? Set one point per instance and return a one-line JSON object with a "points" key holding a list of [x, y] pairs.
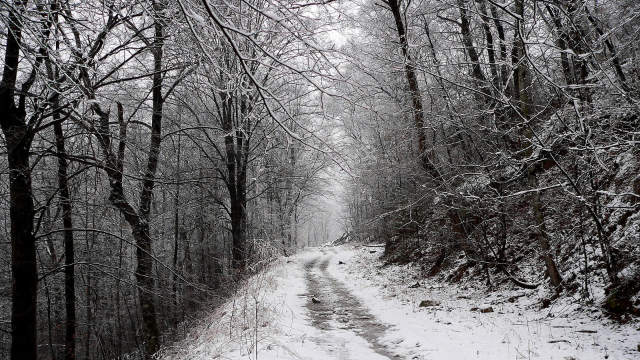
{"points": [[341, 303]]}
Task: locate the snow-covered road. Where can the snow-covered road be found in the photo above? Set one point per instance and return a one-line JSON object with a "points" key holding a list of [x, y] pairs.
{"points": [[332, 306], [338, 303]]}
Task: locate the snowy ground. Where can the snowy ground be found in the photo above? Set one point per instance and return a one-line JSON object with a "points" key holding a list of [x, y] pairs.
{"points": [[339, 303]]}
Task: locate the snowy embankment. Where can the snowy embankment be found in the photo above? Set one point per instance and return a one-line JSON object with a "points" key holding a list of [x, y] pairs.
{"points": [[265, 308], [516, 329], [296, 310]]}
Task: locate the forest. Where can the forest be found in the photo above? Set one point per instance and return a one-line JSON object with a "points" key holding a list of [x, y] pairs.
{"points": [[156, 154]]}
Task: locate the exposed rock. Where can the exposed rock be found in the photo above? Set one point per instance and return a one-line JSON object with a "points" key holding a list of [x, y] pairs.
{"points": [[416, 285], [315, 301], [429, 303], [487, 309]]}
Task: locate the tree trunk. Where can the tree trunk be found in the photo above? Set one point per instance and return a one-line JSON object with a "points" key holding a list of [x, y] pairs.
{"points": [[414, 90], [236, 152], [562, 45], [576, 38], [189, 291], [23, 247], [518, 60], [615, 59], [138, 220], [145, 281], [521, 95], [144, 270], [238, 230], [540, 234], [497, 21], [21, 211], [495, 77], [176, 235], [467, 39], [240, 213], [67, 221]]}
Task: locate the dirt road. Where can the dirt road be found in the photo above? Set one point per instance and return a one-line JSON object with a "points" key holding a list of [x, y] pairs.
{"points": [[331, 306]]}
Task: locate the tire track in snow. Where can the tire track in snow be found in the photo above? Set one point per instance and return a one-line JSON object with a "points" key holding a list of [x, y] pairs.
{"points": [[331, 306]]}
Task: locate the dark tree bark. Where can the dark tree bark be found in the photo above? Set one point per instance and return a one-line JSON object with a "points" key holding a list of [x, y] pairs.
{"points": [[615, 59], [67, 219], [236, 153], [138, 219], [467, 39], [176, 233], [518, 61], [238, 227], [503, 43], [495, 73], [144, 269], [67, 222], [23, 248], [189, 291], [562, 44], [521, 96], [575, 38], [21, 210], [540, 234], [414, 90]]}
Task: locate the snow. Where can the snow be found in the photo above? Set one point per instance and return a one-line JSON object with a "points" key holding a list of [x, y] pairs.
{"points": [[516, 330], [284, 328]]}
